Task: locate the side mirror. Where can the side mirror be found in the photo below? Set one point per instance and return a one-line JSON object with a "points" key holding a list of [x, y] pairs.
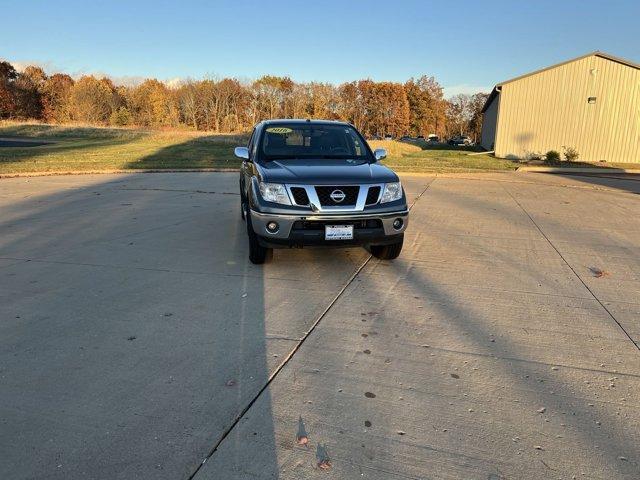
{"points": [[242, 152], [380, 154]]}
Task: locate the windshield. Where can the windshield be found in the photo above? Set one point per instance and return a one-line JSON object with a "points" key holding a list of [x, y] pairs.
{"points": [[297, 140]]}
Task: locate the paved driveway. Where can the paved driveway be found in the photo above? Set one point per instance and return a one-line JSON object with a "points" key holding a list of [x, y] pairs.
{"points": [[136, 340]]}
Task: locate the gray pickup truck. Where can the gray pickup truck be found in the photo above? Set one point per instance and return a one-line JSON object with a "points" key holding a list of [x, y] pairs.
{"points": [[317, 183]]}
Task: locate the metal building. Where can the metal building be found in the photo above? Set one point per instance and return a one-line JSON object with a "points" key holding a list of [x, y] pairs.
{"points": [[590, 103]]}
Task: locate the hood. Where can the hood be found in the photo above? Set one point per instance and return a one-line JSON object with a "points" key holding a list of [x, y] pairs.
{"points": [[325, 172]]}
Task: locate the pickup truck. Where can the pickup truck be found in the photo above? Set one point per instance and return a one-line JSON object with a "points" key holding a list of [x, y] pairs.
{"points": [[317, 183]]}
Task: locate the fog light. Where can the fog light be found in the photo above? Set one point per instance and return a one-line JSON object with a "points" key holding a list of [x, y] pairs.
{"points": [[272, 227], [397, 223]]}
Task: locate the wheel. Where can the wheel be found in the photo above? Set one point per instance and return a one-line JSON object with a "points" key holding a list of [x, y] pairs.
{"points": [[387, 252], [257, 253]]}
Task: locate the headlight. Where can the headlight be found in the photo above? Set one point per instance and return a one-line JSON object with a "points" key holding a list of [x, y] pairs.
{"points": [[274, 192], [391, 192]]}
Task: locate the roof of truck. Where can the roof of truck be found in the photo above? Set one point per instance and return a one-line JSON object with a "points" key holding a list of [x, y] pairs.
{"points": [[303, 120]]}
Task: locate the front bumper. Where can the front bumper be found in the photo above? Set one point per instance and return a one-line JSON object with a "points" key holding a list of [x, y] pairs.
{"points": [[308, 229]]}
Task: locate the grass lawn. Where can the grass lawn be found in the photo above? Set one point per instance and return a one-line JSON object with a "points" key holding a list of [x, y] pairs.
{"points": [[408, 157], [89, 148], [93, 149]]}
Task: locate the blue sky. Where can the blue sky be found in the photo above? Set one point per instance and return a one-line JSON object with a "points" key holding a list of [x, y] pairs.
{"points": [[466, 45]]}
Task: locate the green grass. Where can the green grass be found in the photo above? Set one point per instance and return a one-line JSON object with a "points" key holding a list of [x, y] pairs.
{"points": [[409, 157], [94, 149]]}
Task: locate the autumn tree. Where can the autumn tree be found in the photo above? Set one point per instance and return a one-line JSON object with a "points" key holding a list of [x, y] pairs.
{"points": [[91, 100], [8, 76], [232, 100], [458, 114], [427, 107], [269, 96], [56, 92], [188, 103], [28, 97], [152, 104], [475, 109], [416, 107], [351, 107]]}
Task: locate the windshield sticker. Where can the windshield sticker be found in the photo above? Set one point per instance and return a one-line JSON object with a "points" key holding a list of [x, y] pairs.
{"points": [[280, 130]]}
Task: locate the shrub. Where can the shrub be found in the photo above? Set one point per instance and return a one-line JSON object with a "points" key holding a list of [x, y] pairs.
{"points": [[570, 154], [552, 157], [120, 117]]}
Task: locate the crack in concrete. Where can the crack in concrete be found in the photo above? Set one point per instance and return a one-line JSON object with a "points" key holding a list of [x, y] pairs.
{"points": [[633, 342], [290, 355]]}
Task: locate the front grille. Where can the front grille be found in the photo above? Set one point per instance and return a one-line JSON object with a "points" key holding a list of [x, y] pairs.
{"points": [[320, 224], [372, 195], [324, 195], [300, 196]]}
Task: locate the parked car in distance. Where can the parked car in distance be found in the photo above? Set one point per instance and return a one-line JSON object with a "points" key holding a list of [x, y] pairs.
{"points": [[433, 138], [388, 136], [313, 182], [460, 141]]}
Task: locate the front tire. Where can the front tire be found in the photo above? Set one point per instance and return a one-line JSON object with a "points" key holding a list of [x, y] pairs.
{"points": [[257, 253], [387, 252]]}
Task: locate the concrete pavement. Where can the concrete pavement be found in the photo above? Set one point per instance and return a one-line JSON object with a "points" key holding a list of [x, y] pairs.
{"points": [[137, 340]]}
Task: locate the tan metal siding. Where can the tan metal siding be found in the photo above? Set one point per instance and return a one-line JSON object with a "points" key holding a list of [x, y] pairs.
{"points": [[489, 124], [550, 110]]}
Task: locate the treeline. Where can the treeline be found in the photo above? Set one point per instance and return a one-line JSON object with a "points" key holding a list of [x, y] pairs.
{"points": [[414, 108]]}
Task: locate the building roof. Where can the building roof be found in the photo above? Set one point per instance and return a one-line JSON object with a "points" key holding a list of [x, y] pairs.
{"points": [[597, 53]]}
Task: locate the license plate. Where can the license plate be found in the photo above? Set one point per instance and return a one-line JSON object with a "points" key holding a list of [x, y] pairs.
{"points": [[338, 232]]}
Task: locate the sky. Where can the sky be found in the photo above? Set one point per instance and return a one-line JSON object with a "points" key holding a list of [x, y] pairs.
{"points": [[468, 46]]}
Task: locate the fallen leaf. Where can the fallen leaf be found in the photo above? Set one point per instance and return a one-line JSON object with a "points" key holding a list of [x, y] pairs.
{"points": [[324, 462], [369, 395], [599, 273], [302, 437]]}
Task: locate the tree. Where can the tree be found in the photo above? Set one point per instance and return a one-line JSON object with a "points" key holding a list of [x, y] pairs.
{"points": [[56, 93], [270, 95], [427, 106], [8, 77], [458, 114], [91, 100], [120, 117], [416, 107], [152, 104], [188, 103], [323, 101], [27, 92], [475, 107]]}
